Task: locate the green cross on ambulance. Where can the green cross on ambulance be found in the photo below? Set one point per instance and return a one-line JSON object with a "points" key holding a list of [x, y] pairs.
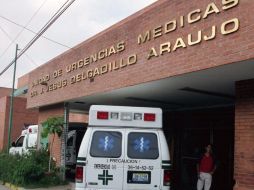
{"points": [[124, 148]]}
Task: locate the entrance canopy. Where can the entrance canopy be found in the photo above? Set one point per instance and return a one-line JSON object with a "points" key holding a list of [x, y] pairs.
{"points": [[207, 88]]}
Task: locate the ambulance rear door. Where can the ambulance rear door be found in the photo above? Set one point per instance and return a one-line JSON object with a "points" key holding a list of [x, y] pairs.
{"points": [[104, 167], [142, 169]]}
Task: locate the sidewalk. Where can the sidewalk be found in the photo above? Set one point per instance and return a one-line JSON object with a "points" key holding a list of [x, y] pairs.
{"points": [[71, 186]]}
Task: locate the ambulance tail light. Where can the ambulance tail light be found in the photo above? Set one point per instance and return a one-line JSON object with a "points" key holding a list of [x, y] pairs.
{"points": [[149, 117], [102, 115], [30, 130], [79, 174], [167, 178]]}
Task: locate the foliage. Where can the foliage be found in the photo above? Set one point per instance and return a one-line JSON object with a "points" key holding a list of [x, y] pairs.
{"points": [[53, 125], [6, 166], [28, 170]]}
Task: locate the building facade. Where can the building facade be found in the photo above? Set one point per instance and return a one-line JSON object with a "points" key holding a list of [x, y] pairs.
{"points": [[194, 59], [21, 116]]}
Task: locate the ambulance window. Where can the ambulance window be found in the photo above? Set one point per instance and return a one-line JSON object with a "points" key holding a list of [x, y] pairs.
{"points": [[19, 142], [106, 144], [142, 146]]}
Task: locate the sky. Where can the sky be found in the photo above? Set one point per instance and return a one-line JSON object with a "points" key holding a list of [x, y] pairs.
{"points": [[83, 19]]}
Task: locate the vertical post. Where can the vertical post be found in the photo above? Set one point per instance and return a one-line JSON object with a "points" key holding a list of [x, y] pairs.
{"points": [[11, 103], [64, 139]]}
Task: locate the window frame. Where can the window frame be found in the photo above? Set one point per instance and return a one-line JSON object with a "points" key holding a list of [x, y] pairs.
{"points": [[105, 131], [23, 137], [152, 133]]}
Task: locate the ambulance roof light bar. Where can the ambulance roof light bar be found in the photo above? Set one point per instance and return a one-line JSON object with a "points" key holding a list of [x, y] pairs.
{"points": [[125, 116]]}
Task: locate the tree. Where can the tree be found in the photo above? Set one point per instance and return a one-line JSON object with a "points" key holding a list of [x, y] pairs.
{"points": [[52, 126]]}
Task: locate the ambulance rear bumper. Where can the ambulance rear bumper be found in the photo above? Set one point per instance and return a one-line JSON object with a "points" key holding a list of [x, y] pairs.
{"points": [[82, 188], [79, 188]]}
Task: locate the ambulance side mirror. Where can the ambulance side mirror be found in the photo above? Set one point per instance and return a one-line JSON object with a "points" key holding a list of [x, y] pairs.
{"points": [[13, 144]]}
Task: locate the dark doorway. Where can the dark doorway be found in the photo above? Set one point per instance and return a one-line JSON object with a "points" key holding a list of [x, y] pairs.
{"points": [[191, 132]]}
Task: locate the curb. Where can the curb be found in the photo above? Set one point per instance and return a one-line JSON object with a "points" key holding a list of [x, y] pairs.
{"points": [[13, 187]]}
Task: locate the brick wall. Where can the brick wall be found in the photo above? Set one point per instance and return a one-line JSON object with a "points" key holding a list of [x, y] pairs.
{"points": [[244, 135], [44, 114], [21, 116], [2, 121], [55, 111], [5, 91], [56, 149], [80, 118], [224, 49], [23, 81]]}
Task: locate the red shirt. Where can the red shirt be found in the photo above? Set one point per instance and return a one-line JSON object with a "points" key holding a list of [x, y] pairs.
{"points": [[206, 164]]}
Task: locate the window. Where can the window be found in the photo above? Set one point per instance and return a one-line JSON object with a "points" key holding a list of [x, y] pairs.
{"points": [[19, 142], [70, 141], [142, 145], [106, 144]]}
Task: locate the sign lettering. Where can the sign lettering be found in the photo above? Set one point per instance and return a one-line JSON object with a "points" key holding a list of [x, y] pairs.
{"points": [[85, 68]]}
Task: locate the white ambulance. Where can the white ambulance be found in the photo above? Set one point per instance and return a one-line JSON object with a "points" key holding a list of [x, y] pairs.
{"points": [[124, 148], [26, 141]]}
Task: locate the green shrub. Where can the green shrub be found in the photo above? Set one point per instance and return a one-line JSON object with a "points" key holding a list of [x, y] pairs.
{"points": [[7, 168], [28, 170]]}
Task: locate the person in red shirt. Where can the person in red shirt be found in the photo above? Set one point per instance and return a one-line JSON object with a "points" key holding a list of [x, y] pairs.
{"points": [[205, 168]]}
